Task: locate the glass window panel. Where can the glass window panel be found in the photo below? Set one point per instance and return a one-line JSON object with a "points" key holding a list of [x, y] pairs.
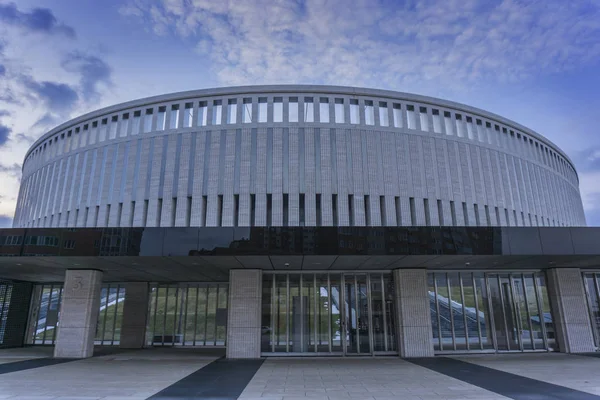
{"points": [[222, 309], [293, 109], [470, 128], [161, 118], [445, 312], [322, 317], [124, 126], [378, 314], [211, 315], [384, 118], [437, 121], [510, 312], [112, 128], [111, 310], [336, 312], [101, 315], [308, 313], [470, 310], [535, 316], [262, 109], [102, 132], [174, 122], [281, 315], [390, 310], [159, 315], [188, 116], [135, 125], [433, 307], [324, 110], [148, 121], [458, 311], [201, 320], [191, 303], [411, 118], [278, 109], [309, 110], [267, 313], [397, 110], [593, 304], [448, 123], [202, 113], [247, 111], [217, 112], [354, 112], [369, 113], [295, 321], [66, 142], [339, 111], [460, 126], [231, 111], [545, 303], [483, 314], [424, 119]]}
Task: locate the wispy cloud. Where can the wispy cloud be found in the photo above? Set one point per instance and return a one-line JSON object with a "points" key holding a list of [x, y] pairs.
{"points": [[93, 72], [13, 170], [457, 42], [57, 97], [4, 133], [39, 20]]}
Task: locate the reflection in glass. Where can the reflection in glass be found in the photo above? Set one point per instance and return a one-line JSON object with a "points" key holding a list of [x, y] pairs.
{"points": [[305, 310], [593, 299], [336, 312], [473, 311], [545, 306], [193, 314], [483, 313]]}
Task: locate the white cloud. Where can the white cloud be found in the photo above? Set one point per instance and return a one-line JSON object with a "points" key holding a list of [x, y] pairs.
{"points": [[413, 46]]}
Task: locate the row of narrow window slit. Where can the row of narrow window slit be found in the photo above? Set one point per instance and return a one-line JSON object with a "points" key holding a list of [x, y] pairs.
{"points": [[549, 158], [318, 205]]}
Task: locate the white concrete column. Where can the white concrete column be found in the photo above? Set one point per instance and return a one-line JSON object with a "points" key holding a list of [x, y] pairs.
{"points": [[135, 316], [413, 319], [78, 314], [244, 314], [569, 311]]}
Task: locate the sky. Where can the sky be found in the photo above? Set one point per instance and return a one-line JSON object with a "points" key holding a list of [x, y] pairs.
{"points": [[535, 62]]}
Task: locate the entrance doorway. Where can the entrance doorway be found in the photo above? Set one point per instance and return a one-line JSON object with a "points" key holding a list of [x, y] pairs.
{"points": [[328, 313]]}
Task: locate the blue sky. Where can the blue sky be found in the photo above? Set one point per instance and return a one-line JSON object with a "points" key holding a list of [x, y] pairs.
{"points": [[536, 62]]}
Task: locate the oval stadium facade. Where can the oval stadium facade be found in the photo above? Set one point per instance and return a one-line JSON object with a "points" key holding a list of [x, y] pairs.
{"points": [[295, 155]]}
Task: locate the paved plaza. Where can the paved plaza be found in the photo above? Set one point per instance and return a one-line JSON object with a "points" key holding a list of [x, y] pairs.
{"points": [[165, 373]]}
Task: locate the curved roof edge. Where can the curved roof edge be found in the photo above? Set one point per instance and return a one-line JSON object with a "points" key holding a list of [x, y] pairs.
{"points": [[254, 89]]}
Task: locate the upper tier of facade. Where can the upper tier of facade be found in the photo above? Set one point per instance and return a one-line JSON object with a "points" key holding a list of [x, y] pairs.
{"points": [[295, 155]]}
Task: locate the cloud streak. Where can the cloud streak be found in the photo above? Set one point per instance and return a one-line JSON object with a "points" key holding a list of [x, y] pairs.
{"points": [[92, 70], [455, 42], [38, 20], [4, 134]]}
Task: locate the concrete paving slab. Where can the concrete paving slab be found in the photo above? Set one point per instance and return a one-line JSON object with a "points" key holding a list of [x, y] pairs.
{"points": [[571, 371]]}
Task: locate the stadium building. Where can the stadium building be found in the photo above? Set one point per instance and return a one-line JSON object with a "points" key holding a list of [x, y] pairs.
{"points": [[299, 220]]}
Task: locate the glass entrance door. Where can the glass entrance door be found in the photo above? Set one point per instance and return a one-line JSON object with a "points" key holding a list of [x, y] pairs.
{"points": [[474, 311], [328, 314], [357, 316]]}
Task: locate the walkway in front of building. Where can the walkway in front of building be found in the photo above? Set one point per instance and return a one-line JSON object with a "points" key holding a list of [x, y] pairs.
{"points": [[31, 373]]}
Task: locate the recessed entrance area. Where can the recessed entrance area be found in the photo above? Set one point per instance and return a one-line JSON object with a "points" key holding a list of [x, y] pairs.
{"points": [[328, 313]]}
